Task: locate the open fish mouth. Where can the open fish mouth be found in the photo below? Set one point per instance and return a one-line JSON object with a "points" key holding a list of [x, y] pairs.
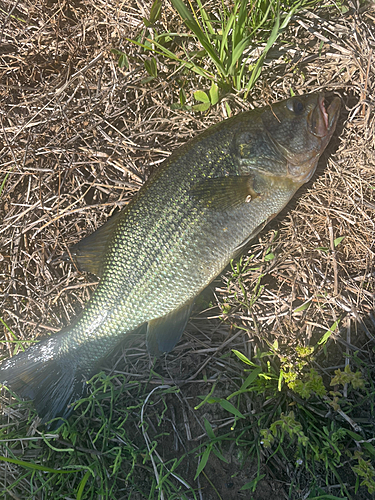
{"points": [[322, 118]]}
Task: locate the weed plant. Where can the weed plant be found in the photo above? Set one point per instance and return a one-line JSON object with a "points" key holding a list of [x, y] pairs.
{"points": [[225, 46]]}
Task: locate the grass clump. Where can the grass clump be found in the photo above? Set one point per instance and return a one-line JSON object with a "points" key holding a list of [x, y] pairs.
{"points": [[105, 453], [225, 46]]}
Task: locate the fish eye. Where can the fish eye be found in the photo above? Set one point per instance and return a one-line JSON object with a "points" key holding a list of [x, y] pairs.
{"points": [[295, 105]]}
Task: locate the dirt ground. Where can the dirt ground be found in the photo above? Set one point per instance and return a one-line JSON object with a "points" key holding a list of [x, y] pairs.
{"points": [[80, 135]]}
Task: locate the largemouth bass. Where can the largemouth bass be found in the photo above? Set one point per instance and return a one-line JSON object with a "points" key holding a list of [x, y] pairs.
{"points": [[202, 205]]}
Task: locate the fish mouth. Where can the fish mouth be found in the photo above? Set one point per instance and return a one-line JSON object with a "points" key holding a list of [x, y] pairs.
{"points": [[322, 119]]}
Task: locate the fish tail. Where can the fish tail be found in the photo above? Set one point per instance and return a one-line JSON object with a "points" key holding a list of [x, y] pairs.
{"points": [[47, 374]]}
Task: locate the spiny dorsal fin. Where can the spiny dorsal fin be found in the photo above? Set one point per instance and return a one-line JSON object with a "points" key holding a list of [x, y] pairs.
{"points": [[89, 253], [225, 192], [164, 333]]}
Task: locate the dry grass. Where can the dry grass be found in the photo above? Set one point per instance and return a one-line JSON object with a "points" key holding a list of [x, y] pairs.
{"points": [[79, 136]]}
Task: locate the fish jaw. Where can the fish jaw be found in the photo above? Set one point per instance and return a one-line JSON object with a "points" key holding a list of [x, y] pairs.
{"points": [[321, 125], [323, 120]]}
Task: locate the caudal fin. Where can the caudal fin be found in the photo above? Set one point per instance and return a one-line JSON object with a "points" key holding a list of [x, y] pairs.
{"points": [[47, 375]]}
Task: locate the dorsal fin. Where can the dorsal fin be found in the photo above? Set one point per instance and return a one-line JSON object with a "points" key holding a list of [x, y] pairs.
{"points": [[88, 254]]}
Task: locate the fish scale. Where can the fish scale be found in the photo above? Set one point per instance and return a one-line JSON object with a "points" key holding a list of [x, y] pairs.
{"points": [[202, 205]]}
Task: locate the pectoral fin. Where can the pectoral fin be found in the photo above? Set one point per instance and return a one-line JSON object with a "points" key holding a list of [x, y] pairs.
{"points": [[88, 253], [164, 333], [225, 192]]}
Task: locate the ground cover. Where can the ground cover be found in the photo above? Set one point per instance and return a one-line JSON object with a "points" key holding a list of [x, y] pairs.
{"points": [[270, 392]]}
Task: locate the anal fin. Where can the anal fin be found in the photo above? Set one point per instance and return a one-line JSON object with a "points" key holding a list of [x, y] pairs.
{"points": [[163, 333]]}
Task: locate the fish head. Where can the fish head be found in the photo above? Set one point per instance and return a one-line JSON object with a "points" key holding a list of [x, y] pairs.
{"points": [[300, 128]]}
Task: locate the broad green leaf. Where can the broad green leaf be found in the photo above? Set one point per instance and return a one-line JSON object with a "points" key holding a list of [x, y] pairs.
{"points": [[201, 107], [338, 240], [201, 96], [122, 61], [212, 400], [214, 94]]}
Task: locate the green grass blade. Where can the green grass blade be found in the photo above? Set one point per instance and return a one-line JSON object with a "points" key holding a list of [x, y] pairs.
{"points": [[4, 181], [230, 408], [240, 24], [264, 18], [238, 53], [243, 358], [9, 330], [36, 467], [224, 49], [328, 333], [184, 12], [83, 484], [258, 66], [203, 462], [163, 51], [190, 22], [205, 19]]}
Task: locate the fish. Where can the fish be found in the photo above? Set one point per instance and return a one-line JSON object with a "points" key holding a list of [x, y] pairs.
{"points": [[197, 211]]}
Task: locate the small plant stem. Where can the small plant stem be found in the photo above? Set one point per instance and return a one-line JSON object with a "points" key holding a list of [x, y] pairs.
{"points": [[347, 360], [355, 426], [334, 261]]}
